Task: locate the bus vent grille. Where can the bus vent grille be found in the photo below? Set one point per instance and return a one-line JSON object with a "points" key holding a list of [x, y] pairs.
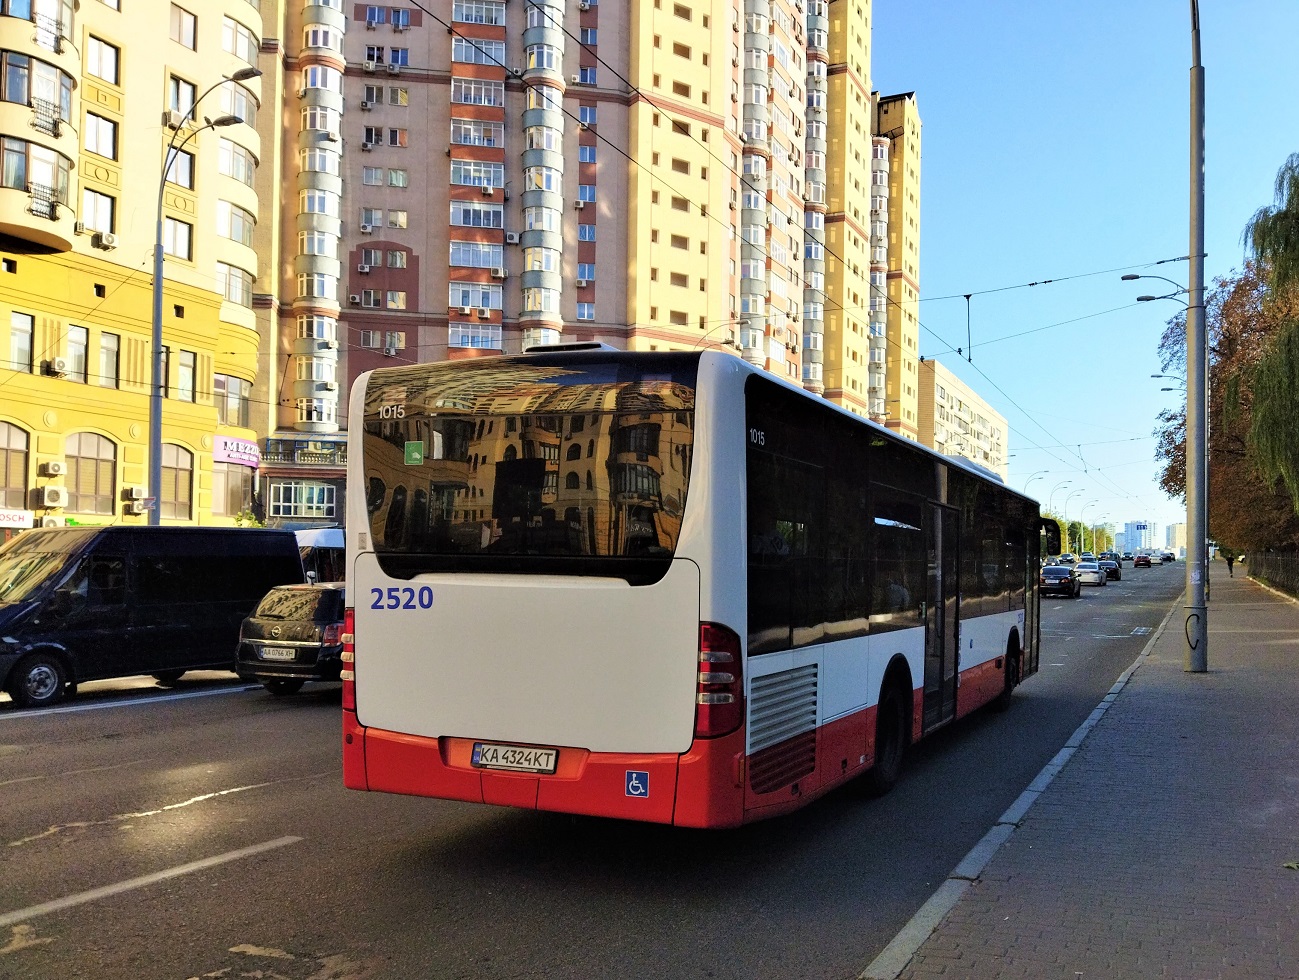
{"points": [[781, 706], [781, 764]]}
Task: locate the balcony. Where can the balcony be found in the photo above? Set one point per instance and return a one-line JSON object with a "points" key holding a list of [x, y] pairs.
{"points": [[304, 452]]}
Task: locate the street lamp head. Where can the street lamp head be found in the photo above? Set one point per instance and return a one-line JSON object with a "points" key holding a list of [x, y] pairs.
{"points": [[1146, 299], [1130, 276], [243, 74], [220, 121]]}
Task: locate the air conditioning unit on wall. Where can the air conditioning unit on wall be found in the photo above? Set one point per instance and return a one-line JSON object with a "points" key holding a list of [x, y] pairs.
{"points": [[54, 496], [56, 467]]}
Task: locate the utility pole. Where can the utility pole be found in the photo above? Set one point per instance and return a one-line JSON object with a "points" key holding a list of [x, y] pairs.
{"points": [[1197, 386]]}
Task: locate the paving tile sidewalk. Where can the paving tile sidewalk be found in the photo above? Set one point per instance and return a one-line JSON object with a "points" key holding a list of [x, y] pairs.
{"points": [[1161, 848]]}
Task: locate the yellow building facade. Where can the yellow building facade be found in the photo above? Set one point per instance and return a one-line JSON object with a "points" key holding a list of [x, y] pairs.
{"points": [[898, 121], [92, 103], [956, 421]]}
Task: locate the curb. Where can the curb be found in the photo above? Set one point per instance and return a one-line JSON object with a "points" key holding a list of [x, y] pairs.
{"points": [[893, 959]]}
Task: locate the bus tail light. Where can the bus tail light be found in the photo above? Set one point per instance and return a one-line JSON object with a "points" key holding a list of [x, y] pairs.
{"points": [[719, 697], [348, 674]]}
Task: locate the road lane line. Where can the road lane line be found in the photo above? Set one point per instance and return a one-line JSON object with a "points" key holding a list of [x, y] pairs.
{"points": [[20, 715], [108, 891], [73, 772], [893, 959]]}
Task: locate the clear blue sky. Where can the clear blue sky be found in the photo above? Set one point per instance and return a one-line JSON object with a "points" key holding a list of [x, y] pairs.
{"points": [[1056, 144]]}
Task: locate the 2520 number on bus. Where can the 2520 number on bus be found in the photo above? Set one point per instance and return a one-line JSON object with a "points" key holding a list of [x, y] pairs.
{"points": [[402, 598]]}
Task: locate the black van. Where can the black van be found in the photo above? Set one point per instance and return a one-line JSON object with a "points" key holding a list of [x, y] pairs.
{"points": [[81, 604]]}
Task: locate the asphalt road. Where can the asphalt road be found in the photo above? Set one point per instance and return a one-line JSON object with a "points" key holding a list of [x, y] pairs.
{"points": [[204, 832]]}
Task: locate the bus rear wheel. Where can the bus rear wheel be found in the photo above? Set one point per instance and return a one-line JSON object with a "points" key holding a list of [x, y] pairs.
{"points": [[892, 736]]}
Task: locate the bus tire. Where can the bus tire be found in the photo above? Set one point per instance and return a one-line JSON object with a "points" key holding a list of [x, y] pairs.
{"points": [[168, 676], [38, 681], [892, 737], [1002, 701]]}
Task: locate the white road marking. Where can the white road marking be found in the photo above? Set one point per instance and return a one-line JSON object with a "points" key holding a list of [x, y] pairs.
{"points": [[108, 891], [73, 772], [70, 709]]}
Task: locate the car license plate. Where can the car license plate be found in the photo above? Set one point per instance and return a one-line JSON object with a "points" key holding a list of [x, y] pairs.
{"points": [[278, 653], [516, 758]]}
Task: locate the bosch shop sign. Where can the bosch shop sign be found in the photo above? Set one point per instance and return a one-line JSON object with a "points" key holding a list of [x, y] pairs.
{"points": [[16, 518]]}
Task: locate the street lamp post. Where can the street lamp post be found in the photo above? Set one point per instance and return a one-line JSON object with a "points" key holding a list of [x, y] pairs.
{"points": [[1050, 500], [1196, 651], [1068, 497], [1081, 531], [156, 380], [1036, 476]]}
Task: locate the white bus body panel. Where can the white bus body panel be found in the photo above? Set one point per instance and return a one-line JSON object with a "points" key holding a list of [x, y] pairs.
{"points": [[567, 661]]}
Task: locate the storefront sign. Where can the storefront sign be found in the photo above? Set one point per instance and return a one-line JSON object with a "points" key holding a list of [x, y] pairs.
{"points": [[17, 518], [241, 451]]}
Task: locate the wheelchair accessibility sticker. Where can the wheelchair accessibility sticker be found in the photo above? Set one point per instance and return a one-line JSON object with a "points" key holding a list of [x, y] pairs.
{"points": [[637, 783]]}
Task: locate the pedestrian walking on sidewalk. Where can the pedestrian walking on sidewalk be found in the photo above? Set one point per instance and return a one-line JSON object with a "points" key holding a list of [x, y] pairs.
{"points": [[1231, 560]]}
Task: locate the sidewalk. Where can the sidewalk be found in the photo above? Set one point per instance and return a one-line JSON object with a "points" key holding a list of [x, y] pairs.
{"points": [[1160, 849]]}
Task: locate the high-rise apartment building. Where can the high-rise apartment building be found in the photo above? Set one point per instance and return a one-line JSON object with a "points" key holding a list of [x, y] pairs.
{"points": [[955, 421], [1139, 536], [1175, 538], [653, 175], [94, 97], [898, 121]]}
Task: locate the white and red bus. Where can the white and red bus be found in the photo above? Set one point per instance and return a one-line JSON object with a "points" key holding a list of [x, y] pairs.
{"points": [[661, 586]]}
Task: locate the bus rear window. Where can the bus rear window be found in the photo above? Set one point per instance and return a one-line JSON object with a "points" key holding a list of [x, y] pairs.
{"points": [[541, 465]]}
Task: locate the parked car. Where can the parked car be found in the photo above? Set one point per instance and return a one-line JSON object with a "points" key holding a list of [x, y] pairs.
{"points": [[1059, 580], [1141, 561], [1112, 568], [86, 603], [1090, 573], [322, 553], [294, 635]]}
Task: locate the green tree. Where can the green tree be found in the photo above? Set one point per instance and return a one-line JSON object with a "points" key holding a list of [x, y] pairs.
{"points": [[1272, 235]]}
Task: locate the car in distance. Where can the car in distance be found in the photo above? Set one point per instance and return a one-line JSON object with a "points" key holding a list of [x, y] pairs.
{"points": [[1090, 573], [1127, 556], [1141, 561], [294, 635], [1067, 559], [1169, 557], [1059, 580], [1112, 568]]}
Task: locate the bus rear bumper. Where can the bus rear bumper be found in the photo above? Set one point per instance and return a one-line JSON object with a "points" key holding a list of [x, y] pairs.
{"points": [[699, 788]]}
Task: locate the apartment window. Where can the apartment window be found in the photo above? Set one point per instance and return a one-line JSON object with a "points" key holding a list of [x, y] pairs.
{"points": [[541, 219], [372, 257], [398, 178], [177, 481], [13, 466], [92, 468], [322, 37], [586, 311], [470, 214], [543, 138], [232, 489], [474, 294], [371, 298], [543, 179], [233, 398], [180, 95], [477, 255], [185, 366], [586, 75], [315, 201], [315, 327], [476, 51], [477, 132], [322, 77], [395, 299], [477, 173], [370, 339], [479, 12], [536, 259], [586, 233], [78, 346], [235, 284], [372, 216], [304, 498], [396, 218], [400, 17], [473, 91], [372, 176], [21, 329], [537, 299], [100, 136], [586, 115], [396, 137], [399, 56], [109, 359], [372, 135], [586, 271], [235, 161], [376, 15], [317, 285], [238, 101], [238, 40], [586, 192], [375, 52], [182, 26], [544, 97], [484, 336], [398, 95], [181, 170], [177, 238], [102, 60], [98, 210], [585, 154], [234, 223], [321, 118], [27, 81], [397, 258], [544, 56], [317, 410]]}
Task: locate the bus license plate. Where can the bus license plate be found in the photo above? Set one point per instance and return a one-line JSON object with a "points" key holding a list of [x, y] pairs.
{"points": [[516, 758], [277, 653]]}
